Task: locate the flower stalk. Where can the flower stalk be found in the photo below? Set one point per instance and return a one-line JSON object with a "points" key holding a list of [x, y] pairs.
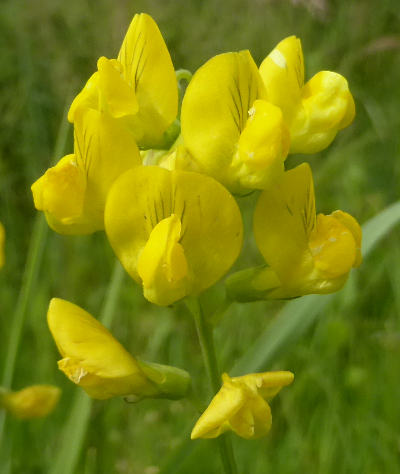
{"points": [[206, 340]]}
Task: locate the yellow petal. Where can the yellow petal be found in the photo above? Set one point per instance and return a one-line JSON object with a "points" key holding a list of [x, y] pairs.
{"points": [[61, 190], [215, 420], [117, 94], [73, 193], [148, 69], [35, 401], [354, 227], [326, 107], [253, 420], [333, 247], [283, 220], [263, 146], [87, 98], [92, 358], [215, 112], [267, 384], [211, 227], [162, 264], [2, 241], [283, 74]]}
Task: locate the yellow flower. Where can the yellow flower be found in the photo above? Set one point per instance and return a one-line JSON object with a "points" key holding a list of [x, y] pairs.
{"points": [[175, 232], [314, 111], [2, 241], [98, 363], [139, 86], [35, 401], [231, 130], [241, 406], [305, 253], [72, 194]]}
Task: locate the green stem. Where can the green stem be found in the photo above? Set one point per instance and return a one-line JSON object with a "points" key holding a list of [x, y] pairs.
{"points": [[33, 262], [78, 418], [204, 332]]}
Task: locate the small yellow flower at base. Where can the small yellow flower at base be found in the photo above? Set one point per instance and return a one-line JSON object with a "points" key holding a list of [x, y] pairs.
{"points": [[304, 253], [241, 406], [2, 242], [97, 362], [315, 111], [231, 130], [36, 401]]}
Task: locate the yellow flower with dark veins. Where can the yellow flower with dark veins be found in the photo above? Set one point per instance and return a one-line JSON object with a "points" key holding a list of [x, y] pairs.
{"points": [[138, 87], [2, 241], [304, 253], [97, 362], [35, 401], [315, 111], [73, 193], [230, 128], [241, 406], [175, 232]]}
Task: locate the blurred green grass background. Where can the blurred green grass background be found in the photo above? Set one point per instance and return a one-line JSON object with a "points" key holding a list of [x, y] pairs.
{"points": [[342, 415]]}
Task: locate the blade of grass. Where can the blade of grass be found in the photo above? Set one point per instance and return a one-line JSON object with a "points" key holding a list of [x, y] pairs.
{"points": [[29, 279], [74, 431]]}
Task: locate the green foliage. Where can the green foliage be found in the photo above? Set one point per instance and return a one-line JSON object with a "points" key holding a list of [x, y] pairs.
{"points": [[342, 413]]}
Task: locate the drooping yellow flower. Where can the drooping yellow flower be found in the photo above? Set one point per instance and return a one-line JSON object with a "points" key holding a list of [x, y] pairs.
{"points": [[2, 241], [139, 86], [97, 362], [305, 253], [232, 132], [175, 232], [72, 194], [36, 401], [315, 111], [241, 406]]}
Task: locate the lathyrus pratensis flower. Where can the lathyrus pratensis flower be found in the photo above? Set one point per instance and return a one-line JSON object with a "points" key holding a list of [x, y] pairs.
{"points": [[304, 253], [97, 362], [2, 242], [175, 232], [35, 401], [72, 194], [241, 406], [230, 128], [315, 111], [139, 87]]}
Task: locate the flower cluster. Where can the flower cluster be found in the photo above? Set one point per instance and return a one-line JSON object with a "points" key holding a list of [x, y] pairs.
{"points": [[165, 186]]}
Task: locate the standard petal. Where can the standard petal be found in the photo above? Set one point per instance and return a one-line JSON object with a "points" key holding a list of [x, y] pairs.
{"points": [[215, 111], [211, 232], [148, 69], [283, 220], [283, 74]]}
